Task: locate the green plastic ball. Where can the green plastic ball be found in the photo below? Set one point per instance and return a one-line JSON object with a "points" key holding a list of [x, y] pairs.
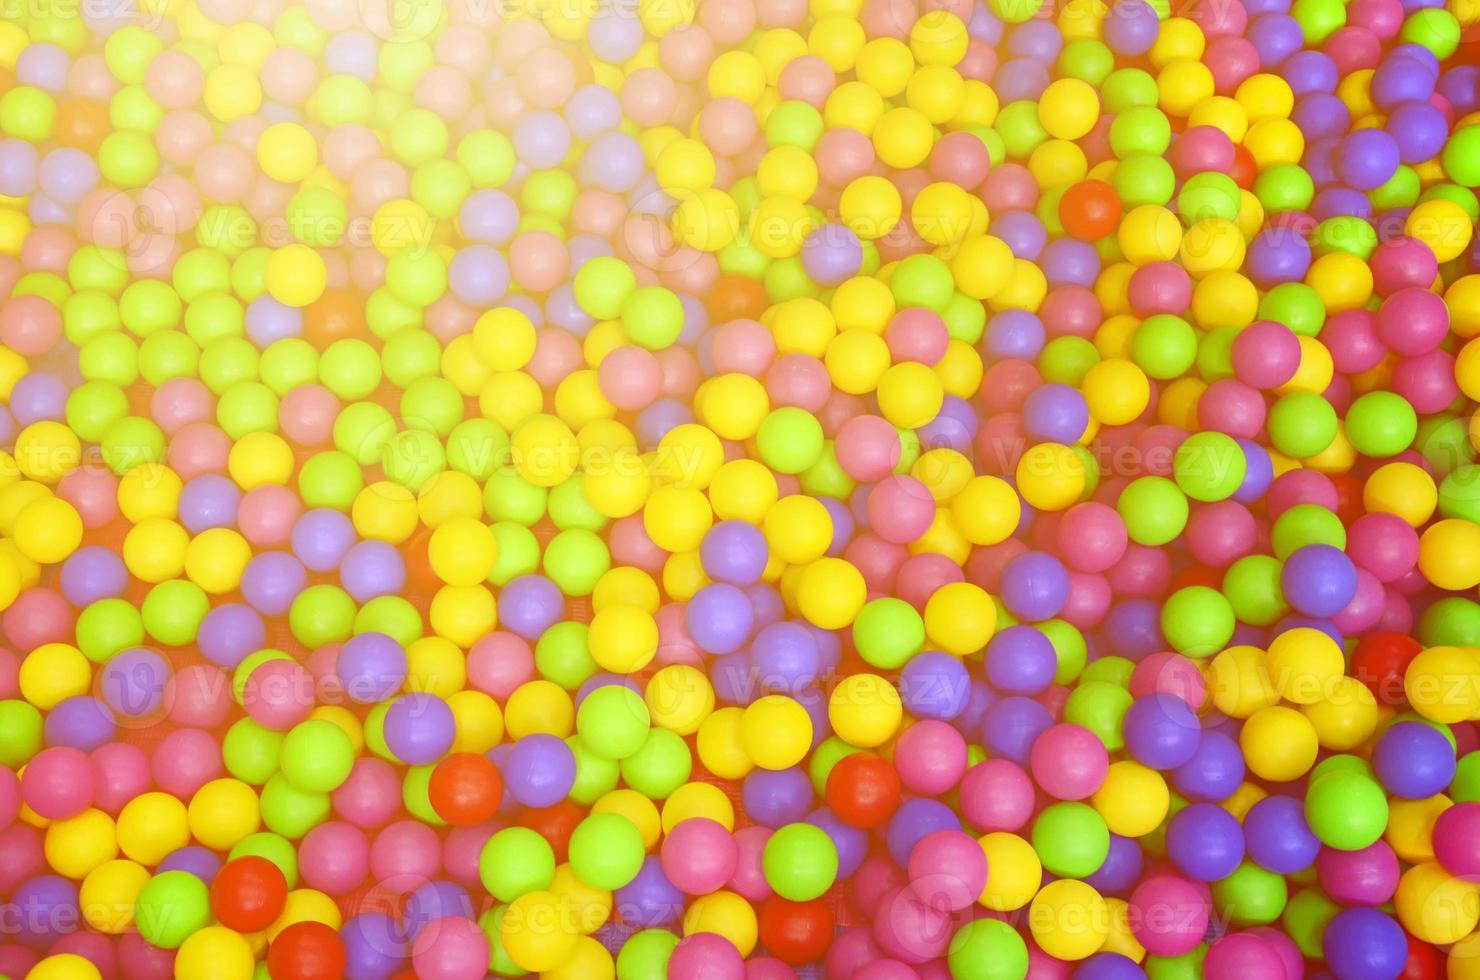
{"points": [[800, 862]]}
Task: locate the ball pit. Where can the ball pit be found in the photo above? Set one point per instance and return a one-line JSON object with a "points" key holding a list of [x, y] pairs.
{"points": [[740, 490]]}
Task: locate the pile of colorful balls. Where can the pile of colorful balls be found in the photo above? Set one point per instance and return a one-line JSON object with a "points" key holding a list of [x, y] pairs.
{"points": [[739, 489]]}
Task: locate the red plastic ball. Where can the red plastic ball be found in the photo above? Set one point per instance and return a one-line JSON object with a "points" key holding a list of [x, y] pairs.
{"points": [[554, 823], [1090, 209], [863, 790], [1424, 962], [465, 789], [248, 894], [1380, 661], [306, 951], [795, 932]]}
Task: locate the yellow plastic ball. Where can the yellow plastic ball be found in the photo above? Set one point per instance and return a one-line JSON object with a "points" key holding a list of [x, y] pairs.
{"points": [[987, 510], [1441, 224], [960, 618], [75, 846], [149, 490], [693, 800], [1068, 108], [870, 207], [623, 639], [903, 137], [1442, 683], [216, 558], [679, 698], [1447, 554], [260, 459], [1238, 682], [718, 744], [504, 339], [1435, 906], [1279, 743], [910, 394], [534, 933], [479, 721], [865, 710], [1068, 920], [216, 952], [725, 914], [1016, 872], [539, 707], [798, 529], [1303, 664], [107, 895], [53, 672], [462, 551], [296, 275], [1401, 488], [463, 613], [1051, 476], [48, 530], [775, 732], [222, 812], [1346, 717], [1133, 799], [64, 966], [830, 593], [46, 451], [152, 825], [384, 511], [287, 152]]}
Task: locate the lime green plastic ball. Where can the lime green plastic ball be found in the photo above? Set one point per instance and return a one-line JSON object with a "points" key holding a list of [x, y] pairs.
{"points": [[171, 907], [606, 850], [1381, 424], [172, 612], [290, 811], [1154, 510], [563, 656], [251, 753], [800, 862], [1302, 424], [317, 756], [661, 765]]}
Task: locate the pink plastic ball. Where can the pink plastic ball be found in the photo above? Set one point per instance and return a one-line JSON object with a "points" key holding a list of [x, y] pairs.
{"points": [[498, 663], [57, 783], [36, 617], [1412, 321], [185, 760], [198, 696], [948, 870], [705, 956], [371, 794], [279, 694], [1365, 877], [1091, 537], [121, 772], [1240, 956], [629, 378], [996, 795], [908, 929], [1457, 840], [930, 756], [334, 857], [405, 855], [1169, 673], [868, 448], [450, 948], [699, 855], [1266, 354], [1168, 914], [900, 509], [749, 879], [1069, 762]]}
